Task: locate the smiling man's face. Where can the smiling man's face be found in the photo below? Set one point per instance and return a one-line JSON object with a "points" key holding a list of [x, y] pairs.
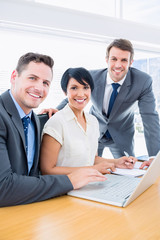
{"points": [[31, 86], [118, 63]]}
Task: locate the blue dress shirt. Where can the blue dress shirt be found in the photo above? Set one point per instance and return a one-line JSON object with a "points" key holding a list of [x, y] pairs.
{"points": [[31, 135]]}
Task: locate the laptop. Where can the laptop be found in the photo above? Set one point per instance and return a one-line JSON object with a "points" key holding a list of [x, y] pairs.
{"points": [[119, 190]]}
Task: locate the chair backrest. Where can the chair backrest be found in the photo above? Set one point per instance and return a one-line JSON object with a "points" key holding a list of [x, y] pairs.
{"points": [[43, 119]]}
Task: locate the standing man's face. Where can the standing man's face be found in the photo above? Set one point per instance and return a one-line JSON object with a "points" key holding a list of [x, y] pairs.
{"points": [[31, 86], [118, 63]]}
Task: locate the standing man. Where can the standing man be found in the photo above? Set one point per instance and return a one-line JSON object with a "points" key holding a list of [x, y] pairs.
{"points": [[117, 91], [20, 181]]}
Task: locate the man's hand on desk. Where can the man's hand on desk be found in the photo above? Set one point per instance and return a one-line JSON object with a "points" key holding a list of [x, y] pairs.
{"points": [[146, 163], [83, 176], [50, 111]]}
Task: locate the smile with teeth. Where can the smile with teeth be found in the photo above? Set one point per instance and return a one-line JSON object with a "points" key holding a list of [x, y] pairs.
{"points": [[34, 95], [80, 100], [117, 70]]}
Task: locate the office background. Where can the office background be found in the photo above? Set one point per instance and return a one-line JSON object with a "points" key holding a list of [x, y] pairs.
{"points": [[76, 33]]}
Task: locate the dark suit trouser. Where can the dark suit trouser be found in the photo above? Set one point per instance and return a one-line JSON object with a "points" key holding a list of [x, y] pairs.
{"points": [[104, 142]]}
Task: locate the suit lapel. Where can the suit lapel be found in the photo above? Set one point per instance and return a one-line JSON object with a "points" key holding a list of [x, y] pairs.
{"points": [[12, 111], [100, 90], [125, 88]]}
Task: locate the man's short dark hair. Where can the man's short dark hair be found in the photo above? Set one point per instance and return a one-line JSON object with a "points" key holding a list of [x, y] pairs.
{"points": [[33, 57], [122, 44], [80, 74]]}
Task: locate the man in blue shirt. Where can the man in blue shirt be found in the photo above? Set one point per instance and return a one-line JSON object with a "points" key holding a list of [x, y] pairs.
{"points": [[20, 179]]}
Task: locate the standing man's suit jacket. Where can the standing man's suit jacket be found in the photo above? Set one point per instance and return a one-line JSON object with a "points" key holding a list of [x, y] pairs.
{"points": [[136, 89], [16, 186]]}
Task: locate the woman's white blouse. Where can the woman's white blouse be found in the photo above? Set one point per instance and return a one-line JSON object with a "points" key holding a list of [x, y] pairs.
{"points": [[79, 147]]}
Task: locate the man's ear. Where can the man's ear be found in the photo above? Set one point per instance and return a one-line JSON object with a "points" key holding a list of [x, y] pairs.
{"points": [[13, 76], [131, 62]]}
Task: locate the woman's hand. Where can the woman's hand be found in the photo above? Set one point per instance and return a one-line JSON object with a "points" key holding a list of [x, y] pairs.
{"points": [[125, 162], [104, 167]]}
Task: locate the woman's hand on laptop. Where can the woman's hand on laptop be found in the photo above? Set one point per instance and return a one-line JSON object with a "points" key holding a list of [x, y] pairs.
{"points": [[105, 167], [125, 162]]}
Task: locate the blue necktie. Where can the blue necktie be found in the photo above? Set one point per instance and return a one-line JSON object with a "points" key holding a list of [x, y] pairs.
{"points": [[26, 121], [114, 94]]}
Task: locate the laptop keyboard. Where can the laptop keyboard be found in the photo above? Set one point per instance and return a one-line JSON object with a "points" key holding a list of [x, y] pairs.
{"points": [[119, 186], [115, 190]]}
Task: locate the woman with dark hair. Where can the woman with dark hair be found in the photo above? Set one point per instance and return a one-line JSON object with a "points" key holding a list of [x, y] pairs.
{"points": [[70, 137]]}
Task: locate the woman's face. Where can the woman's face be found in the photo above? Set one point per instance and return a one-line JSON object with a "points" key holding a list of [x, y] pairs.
{"points": [[78, 94]]}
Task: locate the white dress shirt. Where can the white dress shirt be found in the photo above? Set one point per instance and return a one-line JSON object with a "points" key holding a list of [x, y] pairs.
{"points": [[108, 91], [79, 147]]}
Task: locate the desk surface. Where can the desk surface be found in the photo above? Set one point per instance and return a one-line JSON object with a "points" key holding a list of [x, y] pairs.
{"points": [[67, 218]]}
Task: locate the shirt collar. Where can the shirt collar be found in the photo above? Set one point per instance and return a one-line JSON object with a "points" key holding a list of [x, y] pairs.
{"points": [[110, 81], [19, 109], [70, 114]]}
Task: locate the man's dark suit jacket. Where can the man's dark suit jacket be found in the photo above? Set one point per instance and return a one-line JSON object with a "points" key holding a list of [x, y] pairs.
{"points": [[16, 186], [136, 90]]}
